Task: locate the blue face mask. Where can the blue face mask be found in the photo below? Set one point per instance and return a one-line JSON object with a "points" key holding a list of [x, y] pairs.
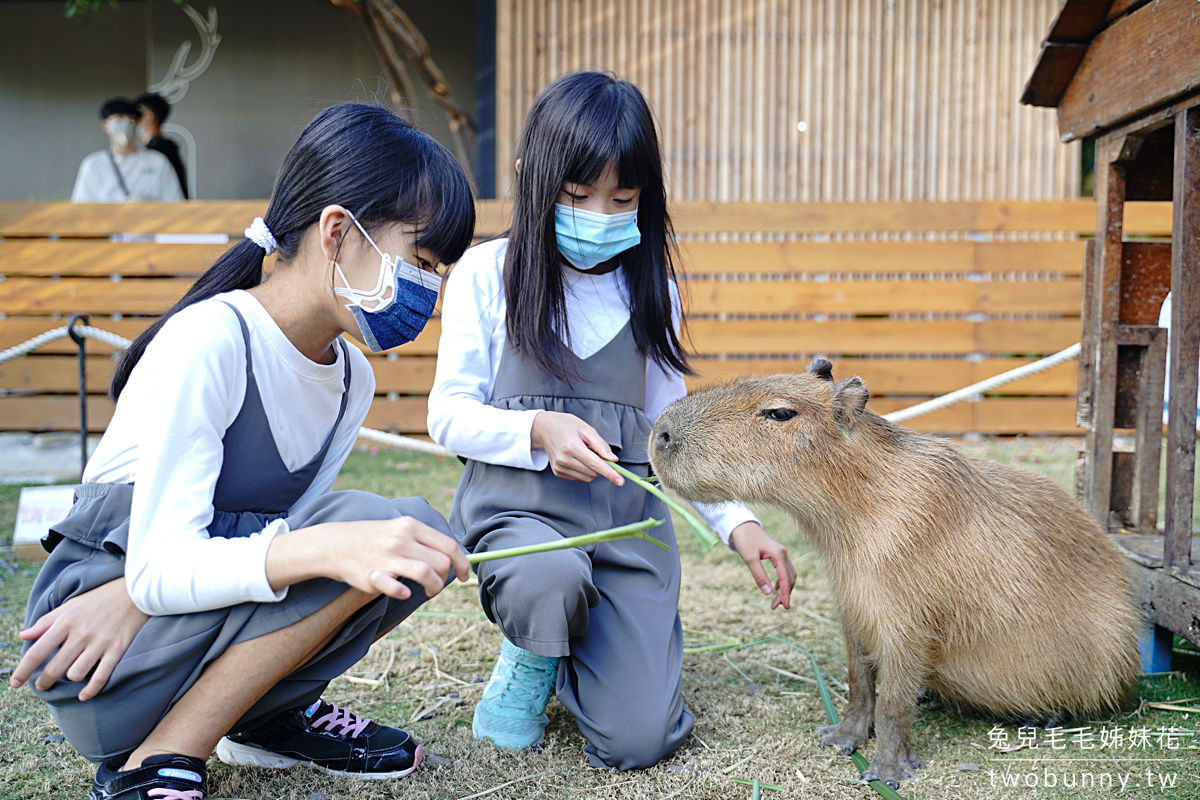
{"points": [[586, 238], [396, 310]]}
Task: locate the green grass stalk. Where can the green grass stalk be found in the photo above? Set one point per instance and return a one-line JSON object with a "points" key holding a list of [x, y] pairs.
{"points": [[707, 538], [631, 531]]}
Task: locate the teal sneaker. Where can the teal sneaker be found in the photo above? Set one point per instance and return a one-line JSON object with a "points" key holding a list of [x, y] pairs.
{"points": [[512, 711]]}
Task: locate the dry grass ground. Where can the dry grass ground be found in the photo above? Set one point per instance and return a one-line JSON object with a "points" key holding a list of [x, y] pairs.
{"points": [[755, 706]]}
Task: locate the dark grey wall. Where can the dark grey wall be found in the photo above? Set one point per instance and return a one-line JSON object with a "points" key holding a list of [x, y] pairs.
{"points": [[278, 63]]}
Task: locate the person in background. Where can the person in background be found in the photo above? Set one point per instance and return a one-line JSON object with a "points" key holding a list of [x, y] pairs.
{"points": [[153, 111], [124, 172]]}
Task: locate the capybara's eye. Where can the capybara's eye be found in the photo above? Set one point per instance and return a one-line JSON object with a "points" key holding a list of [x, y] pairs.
{"points": [[779, 414]]}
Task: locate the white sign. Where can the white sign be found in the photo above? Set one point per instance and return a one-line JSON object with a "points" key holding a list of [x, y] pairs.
{"points": [[38, 509]]}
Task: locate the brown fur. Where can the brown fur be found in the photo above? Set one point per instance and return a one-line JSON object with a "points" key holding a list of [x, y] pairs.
{"points": [[987, 584]]}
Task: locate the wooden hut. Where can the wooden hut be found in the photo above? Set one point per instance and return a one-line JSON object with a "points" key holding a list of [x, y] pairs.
{"points": [[1127, 72]]}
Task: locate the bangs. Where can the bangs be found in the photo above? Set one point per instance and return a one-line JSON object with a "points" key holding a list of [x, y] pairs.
{"points": [[447, 214], [613, 124]]}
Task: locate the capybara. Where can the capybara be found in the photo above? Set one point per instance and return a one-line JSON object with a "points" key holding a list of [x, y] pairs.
{"points": [[988, 585]]}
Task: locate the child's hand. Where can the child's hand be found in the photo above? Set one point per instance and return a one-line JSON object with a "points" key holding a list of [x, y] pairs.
{"points": [[94, 630], [383, 551], [754, 545], [577, 452], [369, 555]]}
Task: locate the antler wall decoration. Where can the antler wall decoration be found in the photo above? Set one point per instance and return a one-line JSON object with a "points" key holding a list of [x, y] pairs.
{"points": [[175, 85]]}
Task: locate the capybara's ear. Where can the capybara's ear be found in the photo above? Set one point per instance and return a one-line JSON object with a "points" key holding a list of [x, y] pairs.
{"points": [[849, 399], [822, 369]]}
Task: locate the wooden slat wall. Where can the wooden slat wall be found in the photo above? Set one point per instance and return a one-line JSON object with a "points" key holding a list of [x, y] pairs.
{"points": [[948, 294], [903, 99]]}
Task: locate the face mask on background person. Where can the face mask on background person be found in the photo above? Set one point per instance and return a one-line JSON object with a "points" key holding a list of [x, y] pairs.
{"points": [[122, 130], [396, 310], [588, 238]]}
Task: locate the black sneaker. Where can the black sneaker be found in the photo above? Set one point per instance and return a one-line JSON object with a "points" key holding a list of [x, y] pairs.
{"points": [[326, 737], [165, 777]]}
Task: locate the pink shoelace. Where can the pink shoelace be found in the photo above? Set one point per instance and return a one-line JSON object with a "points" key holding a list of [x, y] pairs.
{"points": [[176, 794], [352, 724]]}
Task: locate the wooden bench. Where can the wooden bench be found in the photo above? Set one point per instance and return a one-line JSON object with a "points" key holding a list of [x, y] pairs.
{"points": [[917, 298]]}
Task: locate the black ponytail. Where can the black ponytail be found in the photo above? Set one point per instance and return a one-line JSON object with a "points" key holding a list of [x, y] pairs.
{"points": [[364, 158]]}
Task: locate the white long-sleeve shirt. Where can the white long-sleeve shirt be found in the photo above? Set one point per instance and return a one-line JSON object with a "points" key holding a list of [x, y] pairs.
{"points": [[165, 438], [147, 174], [473, 338]]}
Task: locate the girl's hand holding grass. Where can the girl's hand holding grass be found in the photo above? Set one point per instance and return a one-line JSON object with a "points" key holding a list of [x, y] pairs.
{"points": [[369, 555], [577, 451]]}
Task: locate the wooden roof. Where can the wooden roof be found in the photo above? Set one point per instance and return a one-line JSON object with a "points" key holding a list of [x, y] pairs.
{"points": [[1104, 61]]}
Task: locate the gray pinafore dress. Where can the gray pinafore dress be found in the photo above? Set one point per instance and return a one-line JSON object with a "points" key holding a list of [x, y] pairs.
{"points": [[609, 611], [87, 549]]}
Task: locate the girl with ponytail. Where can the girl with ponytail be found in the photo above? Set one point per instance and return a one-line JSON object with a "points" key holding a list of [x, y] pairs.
{"points": [[208, 584]]}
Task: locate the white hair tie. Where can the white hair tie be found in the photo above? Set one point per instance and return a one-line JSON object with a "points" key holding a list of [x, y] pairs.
{"points": [[261, 235]]}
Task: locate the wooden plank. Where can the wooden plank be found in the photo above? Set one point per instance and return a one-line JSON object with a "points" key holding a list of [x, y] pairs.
{"points": [[913, 377], [1142, 60], [43, 257], [696, 218], [797, 258], [230, 217], [411, 375], [1079, 21], [1077, 216], [17, 330], [60, 374], [90, 295], [834, 337], [55, 373], [880, 337], [1145, 281], [403, 415], [1122, 7], [1055, 66], [1064, 257], [881, 297], [492, 217], [872, 258], [1025, 415], [1185, 339], [952, 419], [53, 413], [1026, 337]]}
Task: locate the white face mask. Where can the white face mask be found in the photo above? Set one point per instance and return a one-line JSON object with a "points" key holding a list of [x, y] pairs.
{"points": [[122, 130]]}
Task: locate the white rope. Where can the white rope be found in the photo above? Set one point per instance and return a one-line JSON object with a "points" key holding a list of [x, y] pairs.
{"points": [[983, 386], [32, 344], [403, 442], [418, 446], [119, 342]]}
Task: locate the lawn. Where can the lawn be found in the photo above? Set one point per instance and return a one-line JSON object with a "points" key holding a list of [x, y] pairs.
{"points": [[755, 704]]}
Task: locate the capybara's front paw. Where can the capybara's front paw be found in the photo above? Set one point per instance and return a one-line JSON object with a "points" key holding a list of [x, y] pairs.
{"points": [[846, 735], [892, 772]]}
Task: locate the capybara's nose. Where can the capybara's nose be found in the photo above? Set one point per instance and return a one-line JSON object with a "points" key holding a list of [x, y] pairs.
{"points": [[662, 435]]}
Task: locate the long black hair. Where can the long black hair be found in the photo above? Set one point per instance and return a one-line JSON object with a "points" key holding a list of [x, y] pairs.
{"points": [[364, 158], [577, 126]]}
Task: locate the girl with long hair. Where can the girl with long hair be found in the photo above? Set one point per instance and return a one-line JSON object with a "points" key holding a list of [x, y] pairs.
{"points": [[208, 583], [560, 345]]}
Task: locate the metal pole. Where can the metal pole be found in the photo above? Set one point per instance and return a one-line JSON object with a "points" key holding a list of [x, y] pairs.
{"points": [[83, 427]]}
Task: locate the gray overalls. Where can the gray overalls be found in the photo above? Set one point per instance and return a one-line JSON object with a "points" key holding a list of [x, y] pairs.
{"points": [[87, 549], [609, 611]]}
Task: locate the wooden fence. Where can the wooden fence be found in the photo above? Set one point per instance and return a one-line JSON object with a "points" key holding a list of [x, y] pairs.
{"points": [[917, 298]]}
